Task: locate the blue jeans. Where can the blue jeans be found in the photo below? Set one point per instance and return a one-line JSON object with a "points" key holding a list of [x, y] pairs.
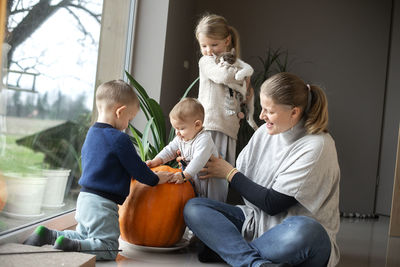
{"points": [[298, 240]]}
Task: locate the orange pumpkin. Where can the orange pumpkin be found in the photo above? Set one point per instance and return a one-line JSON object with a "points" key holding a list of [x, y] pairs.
{"points": [[153, 215], [3, 192]]}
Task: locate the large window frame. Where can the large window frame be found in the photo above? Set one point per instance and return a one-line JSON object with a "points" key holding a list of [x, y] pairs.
{"points": [[114, 53]]}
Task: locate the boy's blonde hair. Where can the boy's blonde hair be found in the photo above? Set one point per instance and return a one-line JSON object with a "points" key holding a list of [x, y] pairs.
{"points": [[216, 27], [188, 108], [288, 89], [116, 92]]}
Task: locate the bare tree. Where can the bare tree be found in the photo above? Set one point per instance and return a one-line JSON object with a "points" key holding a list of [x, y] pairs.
{"points": [[35, 13]]}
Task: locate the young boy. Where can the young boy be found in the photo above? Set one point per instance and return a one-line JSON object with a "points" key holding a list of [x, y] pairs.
{"points": [[109, 160], [196, 147]]}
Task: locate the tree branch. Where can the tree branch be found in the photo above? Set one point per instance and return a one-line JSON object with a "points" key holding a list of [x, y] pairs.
{"points": [[97, 17], [31, 22]]}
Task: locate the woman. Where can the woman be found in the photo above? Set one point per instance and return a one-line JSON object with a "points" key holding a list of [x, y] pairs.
{"points": [[288, 175]]}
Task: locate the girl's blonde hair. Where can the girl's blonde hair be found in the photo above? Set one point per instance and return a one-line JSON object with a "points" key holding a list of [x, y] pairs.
{"points": [[188, 108], [217, 27], [288, 89]]}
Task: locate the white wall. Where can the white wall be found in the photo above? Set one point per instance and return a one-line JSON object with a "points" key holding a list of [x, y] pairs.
{"points": [[148, 48]]}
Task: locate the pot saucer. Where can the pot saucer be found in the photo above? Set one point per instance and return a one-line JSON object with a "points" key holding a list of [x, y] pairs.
{"points": [[181, 244]]}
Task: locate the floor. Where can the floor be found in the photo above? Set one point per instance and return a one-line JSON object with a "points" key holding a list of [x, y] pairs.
{"points": [[363, 243]]}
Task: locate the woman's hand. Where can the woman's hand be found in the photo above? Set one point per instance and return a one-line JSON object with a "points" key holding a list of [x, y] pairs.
{"points": [[164, 176], [176, 178], [215, 168]]}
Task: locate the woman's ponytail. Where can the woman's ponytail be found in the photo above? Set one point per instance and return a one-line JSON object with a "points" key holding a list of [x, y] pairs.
{"points": [[316, 117]]}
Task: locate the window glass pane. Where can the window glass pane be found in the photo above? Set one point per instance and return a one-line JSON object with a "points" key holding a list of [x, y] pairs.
{"points": [[49, 60]]}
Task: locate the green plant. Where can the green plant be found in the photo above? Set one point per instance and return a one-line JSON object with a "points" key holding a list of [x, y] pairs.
{"points": [[60, 144], [19, 159], [155, 123], [274, 61]]}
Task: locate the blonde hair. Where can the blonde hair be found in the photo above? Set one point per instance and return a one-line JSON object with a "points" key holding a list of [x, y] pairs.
{"points": [[217, 27], [288, 89], [187, 108], [116, 92]]}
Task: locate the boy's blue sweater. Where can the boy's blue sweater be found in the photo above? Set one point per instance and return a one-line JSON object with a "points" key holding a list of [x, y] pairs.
{"points": [[109, 161]]}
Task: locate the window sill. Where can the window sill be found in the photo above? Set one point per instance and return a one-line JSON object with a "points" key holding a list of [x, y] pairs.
{"points": [[62, 222]]}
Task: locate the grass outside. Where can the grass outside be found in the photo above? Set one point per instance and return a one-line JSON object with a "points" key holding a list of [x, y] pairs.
{"points": [[18, 158]]}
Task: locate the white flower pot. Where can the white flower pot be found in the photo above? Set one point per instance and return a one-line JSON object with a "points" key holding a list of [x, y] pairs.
{"points": [[25, 195], [55, 188]]}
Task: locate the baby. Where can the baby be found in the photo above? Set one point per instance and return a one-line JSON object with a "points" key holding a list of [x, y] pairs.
{"points": [[195, 145]]}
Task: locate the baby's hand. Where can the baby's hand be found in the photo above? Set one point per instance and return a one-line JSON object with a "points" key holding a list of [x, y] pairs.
{"points": [[176, 178], [149, 163], [154, 162], [179, 158]]}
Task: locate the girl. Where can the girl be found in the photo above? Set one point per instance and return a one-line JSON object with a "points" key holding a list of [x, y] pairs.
{"points": [[215, 36]]}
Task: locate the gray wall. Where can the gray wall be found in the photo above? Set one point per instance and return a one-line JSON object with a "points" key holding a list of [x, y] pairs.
{"points": [[340, 45], [178, 50]]}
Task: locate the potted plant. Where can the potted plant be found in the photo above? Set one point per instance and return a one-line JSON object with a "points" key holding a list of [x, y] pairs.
{"points": [[61, 146], [55, 187], [25, 194], [22, 175]]}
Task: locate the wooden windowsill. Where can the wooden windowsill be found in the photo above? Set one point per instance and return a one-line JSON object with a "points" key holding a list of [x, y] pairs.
{"points": [[62, 222]]}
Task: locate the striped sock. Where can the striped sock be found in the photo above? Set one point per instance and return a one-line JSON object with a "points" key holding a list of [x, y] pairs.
{"points": [[41, 236]]}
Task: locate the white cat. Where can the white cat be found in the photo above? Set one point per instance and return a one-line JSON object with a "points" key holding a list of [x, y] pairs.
{"points": [[243, 70]]}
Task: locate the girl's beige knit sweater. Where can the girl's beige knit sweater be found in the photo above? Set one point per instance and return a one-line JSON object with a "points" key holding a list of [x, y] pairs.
{"points": [[212, 95]]}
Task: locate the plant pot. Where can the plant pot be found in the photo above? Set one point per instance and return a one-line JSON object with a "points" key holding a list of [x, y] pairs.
{"points": [[25, 195], [55, 188]]}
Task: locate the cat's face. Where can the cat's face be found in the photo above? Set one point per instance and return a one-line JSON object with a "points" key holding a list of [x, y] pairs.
{"points": [[227, 57]]}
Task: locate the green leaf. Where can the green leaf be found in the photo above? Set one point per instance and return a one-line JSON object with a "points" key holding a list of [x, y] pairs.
{"points": [[142, 95], [159, 120], [190, 87], [145, 141], [171, 134], [138, 142], [137, 85]]}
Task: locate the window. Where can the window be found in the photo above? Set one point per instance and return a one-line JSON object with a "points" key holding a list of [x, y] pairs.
{"points": [[49, 59], [37, 145]]}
